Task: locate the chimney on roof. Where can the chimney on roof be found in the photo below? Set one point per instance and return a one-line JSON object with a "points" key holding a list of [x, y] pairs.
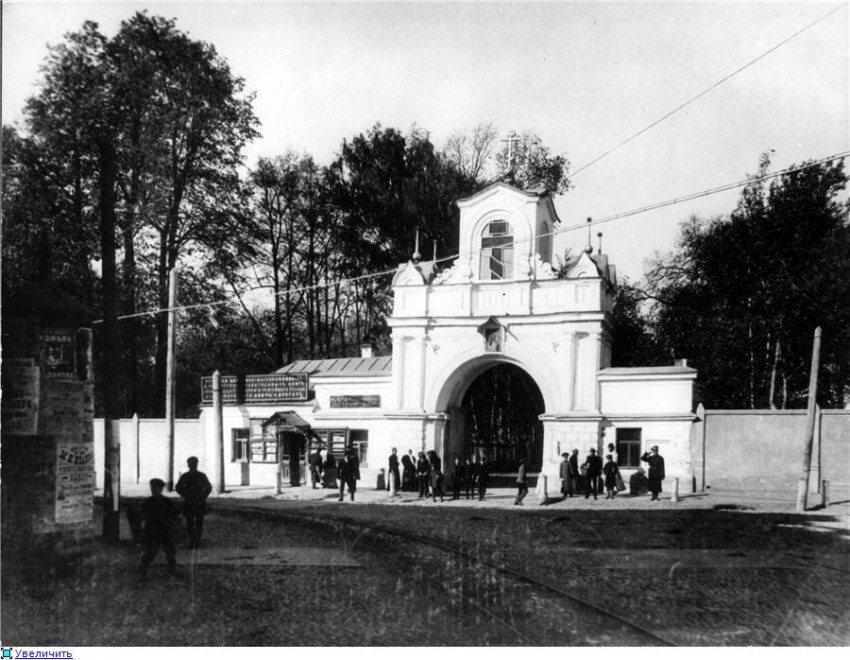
{"points": [[680, 362], [365, 350]]}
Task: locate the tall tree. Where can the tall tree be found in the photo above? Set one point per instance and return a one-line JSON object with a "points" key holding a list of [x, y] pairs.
{"points": [[741, 296], [530, 164], [385, 186], [473, 153], [154, 124], [188, 123]]}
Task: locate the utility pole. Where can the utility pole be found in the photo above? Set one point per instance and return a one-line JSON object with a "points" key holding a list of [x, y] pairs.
{"points": [[803, 485], [218, 433], [170, 365]]}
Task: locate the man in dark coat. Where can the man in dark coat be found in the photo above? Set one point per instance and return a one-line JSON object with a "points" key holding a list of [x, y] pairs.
{"points": [[435, 478], [348, 472], [564, 473], [409, 473], [159, 514], [482, 476], [316, 468], [573, 472], [393, 473], [593, 466], [458, 478], [423, 474], [470, 473], [194, 487], [656, 471]]}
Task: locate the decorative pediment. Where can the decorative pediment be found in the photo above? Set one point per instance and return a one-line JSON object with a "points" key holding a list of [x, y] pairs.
{"points": [[583, 267], [409, 274], [500, 192]]}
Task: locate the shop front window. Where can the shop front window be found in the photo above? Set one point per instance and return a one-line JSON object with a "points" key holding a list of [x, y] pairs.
{"points": [[264, 444]]}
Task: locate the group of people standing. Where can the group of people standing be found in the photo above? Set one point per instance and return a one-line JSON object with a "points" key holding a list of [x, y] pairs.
{"points": [[424, 474], [593, 468], [347, 471]]}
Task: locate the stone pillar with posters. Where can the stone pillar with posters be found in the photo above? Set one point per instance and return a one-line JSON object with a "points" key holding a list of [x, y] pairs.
{"points": [[48, 471]]}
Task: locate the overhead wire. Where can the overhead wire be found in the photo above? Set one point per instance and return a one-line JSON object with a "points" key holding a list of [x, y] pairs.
{"points": [[561, 230], [706, 91], [290, 291]]}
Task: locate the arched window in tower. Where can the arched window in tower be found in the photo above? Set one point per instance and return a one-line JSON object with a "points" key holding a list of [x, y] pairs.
{"points": [[497, 251]]}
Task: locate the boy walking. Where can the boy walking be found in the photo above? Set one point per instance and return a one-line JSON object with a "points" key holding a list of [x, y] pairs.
{"points": [[159, 514], [521, 483]]}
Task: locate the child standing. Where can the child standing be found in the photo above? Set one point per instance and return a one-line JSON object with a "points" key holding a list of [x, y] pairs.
{"points": [[611, 472], [159, 514]]}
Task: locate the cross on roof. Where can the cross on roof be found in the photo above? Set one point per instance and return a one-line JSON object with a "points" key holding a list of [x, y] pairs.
{"points": [[512, 137]]}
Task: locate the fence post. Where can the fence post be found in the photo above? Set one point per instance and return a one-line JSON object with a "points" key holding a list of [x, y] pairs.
{"points": [[136, 438]]}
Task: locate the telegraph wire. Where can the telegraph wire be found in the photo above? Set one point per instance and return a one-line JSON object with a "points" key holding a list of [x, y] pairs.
{"points": [[561, 230], [709, 191], [707, 90]]}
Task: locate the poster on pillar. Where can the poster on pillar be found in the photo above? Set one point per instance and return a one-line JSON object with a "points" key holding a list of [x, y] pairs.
{"points": [[59, 353], [63, 409], [74, 482], [20, 396]]}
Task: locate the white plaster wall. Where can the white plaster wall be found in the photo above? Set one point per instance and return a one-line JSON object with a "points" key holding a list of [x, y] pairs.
{"points": [[646, 395], [673, 440]]}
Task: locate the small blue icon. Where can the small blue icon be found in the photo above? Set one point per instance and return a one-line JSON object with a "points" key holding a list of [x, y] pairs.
{"points": [[7, 653]]}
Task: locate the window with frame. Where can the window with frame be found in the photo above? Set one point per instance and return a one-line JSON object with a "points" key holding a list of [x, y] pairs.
{"points": [[628, 447], [240, 440], [334, 440], [497, 251], [359, 440], [264, 444]]}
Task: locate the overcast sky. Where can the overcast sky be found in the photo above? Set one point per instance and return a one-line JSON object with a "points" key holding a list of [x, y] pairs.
{"points": [[584, 76]]}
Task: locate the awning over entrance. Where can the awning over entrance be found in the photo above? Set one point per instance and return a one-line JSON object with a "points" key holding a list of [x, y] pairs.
{"points": [[288, 421]]}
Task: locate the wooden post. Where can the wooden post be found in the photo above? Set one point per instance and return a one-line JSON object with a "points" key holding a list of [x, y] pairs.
{"points": [[675, 496], [803, 485], [218, 433], [169, 373]]}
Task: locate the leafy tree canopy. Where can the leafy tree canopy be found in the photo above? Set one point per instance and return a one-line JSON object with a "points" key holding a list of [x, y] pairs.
{"points": [[741, 296]]}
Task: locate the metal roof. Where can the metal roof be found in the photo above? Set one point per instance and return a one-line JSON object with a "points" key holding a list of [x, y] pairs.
{"points": [[374, 366]]}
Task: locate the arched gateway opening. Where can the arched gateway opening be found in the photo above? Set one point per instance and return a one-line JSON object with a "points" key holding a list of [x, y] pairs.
{"points": [[494, 413]]}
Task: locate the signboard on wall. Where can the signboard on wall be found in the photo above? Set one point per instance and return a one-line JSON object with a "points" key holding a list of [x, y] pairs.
{"points": [[263, 388], [356, 401], [74, 481]]}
